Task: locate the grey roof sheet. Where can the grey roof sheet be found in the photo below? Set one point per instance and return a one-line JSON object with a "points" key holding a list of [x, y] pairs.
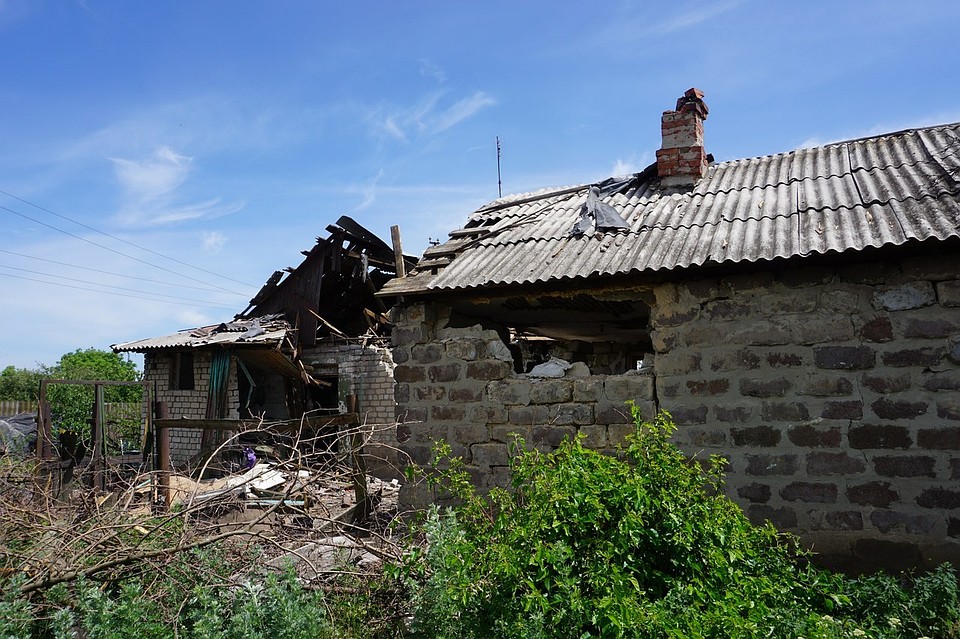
{"points": [[884, 190], [259, 331]]}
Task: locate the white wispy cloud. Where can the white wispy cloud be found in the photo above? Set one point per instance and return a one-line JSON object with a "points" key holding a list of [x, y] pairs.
{"points": [[428, 116], [644, 27], [149, 190]]}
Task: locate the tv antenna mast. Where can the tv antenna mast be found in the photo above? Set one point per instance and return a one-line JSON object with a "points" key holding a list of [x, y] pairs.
{"points": [[499, 181]]}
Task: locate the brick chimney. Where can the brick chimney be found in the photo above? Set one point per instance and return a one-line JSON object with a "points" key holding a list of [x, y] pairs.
{"points": [[681, 160]]}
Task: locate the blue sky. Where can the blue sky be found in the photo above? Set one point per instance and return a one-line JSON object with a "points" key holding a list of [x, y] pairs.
{"points": [[188, 149]]}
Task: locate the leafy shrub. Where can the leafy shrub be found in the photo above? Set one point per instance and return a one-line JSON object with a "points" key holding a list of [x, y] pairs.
{"points": [[588, 545]]}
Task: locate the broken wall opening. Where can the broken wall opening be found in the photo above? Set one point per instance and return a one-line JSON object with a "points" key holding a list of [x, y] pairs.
{"points": [[599, 333]]}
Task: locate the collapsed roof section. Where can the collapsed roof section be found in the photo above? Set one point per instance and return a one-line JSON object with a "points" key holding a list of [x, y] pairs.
{"points": [[333, 291]]}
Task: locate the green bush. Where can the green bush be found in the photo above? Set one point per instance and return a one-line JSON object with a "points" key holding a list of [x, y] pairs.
{"points": [[588, 545]]}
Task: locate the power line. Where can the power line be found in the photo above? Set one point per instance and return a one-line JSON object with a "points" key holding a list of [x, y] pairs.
{"points": [[114, 237], [119, 288], [95, 290], [97, 270], [107, 248]]}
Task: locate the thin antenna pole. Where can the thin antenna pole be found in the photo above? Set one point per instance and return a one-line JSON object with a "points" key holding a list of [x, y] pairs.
{"points": [[499, 182]]}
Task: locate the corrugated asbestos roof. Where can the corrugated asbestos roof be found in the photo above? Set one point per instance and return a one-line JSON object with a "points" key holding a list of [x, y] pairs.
{"points": [[884, 190], [259, 331]]}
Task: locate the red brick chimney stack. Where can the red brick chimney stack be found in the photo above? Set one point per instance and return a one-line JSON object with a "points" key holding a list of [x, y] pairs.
{"points": [[681, 160]]}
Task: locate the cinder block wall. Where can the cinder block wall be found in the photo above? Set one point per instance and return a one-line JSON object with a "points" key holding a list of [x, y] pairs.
{"points": [[834, 392], [458, 384], [192, 404]]}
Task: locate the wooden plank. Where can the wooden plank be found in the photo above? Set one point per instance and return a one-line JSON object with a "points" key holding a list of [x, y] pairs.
{"points": [[401, 268]]}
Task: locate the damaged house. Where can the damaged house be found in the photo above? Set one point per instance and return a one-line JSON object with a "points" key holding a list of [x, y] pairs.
{"points": [[797, 313], [314, 340]]}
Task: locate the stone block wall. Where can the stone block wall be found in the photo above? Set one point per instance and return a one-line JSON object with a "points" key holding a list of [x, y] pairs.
{"points": [[192, 404], [835, 395], [458, 384], [833, 391]]}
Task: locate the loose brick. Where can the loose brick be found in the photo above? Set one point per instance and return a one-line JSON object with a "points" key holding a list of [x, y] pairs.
{"points": [[939, 438], [756, 493], [914, 357], [939, 498], [404, 336], [890, 409], [879, 329], [814, 329], [594, 436], [822, 463], [701, 335], [871, 436], [886, 383], [812, 437], [767, 465], [759, 436], [465, 349], [904, 296], [732, 413], [810, 492], [490, 454], [954, 353], [764, 388], [753, 333], [783, 518], [842, 410], [905, 466], [784, 412], [400, 355], [874, 493], [844, 357], [708, 387]]}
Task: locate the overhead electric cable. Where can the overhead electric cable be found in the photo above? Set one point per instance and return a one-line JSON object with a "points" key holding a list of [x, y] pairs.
{"points": [[114, 237], [119, 288], [95, 290], [107, 248], [97, 270]]}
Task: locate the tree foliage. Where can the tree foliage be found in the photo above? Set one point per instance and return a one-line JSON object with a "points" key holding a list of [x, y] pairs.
{"points": [[19, 384]]}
